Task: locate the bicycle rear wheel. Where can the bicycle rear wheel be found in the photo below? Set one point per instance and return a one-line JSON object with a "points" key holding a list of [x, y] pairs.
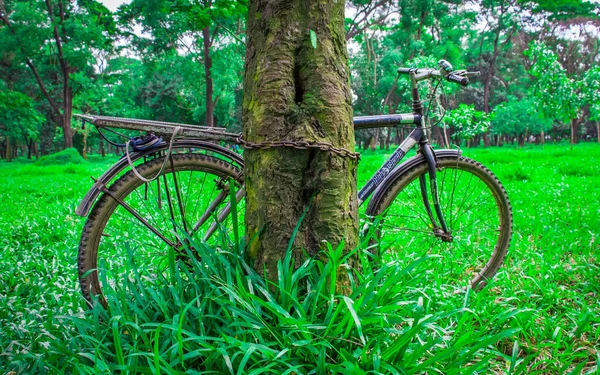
{"points": [[476, 210], [136, 230]]}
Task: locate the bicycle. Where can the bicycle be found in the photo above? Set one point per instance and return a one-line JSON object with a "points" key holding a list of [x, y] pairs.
{"points": [[168, 194]]}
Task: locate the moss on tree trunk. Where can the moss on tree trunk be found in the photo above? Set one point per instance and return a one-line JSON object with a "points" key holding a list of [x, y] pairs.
{"points": [[295, 92]]}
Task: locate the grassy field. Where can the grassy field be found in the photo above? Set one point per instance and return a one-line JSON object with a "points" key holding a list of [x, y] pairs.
{"points": [[541, 313]]}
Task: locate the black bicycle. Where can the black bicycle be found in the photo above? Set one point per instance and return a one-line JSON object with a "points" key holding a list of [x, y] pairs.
{"points": [[175, 186]]}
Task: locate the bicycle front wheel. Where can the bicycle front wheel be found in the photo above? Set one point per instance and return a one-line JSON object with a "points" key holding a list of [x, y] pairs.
{"points": [[476, 210], [137, 230]]}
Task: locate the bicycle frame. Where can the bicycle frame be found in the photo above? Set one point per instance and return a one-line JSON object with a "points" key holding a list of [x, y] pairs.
{"points": [[377, 183], [417, 136]]}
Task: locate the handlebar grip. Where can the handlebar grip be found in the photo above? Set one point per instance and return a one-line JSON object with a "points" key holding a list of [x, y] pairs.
{"points": [[405, 70], [463, 81]]}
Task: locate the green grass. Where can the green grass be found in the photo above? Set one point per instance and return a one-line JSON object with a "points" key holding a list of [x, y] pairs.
{"points": [[539, 315]]}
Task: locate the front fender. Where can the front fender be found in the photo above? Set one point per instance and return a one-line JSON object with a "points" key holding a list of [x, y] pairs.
{"points": [[401, 169], [86, 203]]}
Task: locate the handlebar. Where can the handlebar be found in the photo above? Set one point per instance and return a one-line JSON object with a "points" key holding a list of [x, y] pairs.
{"points": [[455, 76]]}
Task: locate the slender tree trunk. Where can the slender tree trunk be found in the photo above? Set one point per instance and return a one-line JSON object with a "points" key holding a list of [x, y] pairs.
{"points": [[574, 131], [84, 145], [208, 77], [29, 143], [375, 140], [295, 92], [388, 138], [367, 142], [35, 150], [437, 135], [67, 112], [598, 130], [9, 151]]}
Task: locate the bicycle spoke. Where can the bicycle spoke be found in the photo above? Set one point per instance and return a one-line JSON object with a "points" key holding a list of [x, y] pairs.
{"points": [[469, 200], [141, 219]]}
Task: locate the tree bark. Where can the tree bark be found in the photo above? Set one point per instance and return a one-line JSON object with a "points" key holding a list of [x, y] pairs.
{"points": [[388, 138], [9, 154], [574, 131], [65, 69], [208, 77], [375, 140], [29, 144], [35, 150], [295, 92]]}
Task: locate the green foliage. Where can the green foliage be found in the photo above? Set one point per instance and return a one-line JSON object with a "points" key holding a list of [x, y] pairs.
{"points": [[220, 315], [564, 9], [468, 122], [209, 313], [18, 116], [590, 87], [159, 74], [517, 117], [66, 156], [49, 50], [553, 91]]}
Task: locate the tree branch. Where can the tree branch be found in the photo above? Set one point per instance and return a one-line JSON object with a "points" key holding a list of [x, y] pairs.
{"points": [[53, 104]]}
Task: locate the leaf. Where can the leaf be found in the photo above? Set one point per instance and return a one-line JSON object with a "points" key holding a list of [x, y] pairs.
{"points": [[313, 39]]}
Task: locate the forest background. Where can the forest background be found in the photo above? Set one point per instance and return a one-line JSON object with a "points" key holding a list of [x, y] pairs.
{"points": [[183, 61]]}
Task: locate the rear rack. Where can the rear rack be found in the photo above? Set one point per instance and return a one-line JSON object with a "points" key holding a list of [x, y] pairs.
{"points": [[220, 134], [160, 127]]}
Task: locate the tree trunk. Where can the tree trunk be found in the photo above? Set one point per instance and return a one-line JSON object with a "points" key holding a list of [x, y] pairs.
{"points": [[375, 140], [35, 150], [67, 112], [388, 138], [84, 154], [437, 135], [29, 143], [9, 154], [367, 143], [295, 92], [574, 131], [208, 77], [486, 139], [598, 130]]}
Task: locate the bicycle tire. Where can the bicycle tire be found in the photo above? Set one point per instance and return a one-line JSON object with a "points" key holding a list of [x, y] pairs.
{"points": [[113, 235], [476, 209]]}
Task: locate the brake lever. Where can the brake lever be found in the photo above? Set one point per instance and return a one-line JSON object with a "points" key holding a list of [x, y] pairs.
{"points": [[473, 74]]}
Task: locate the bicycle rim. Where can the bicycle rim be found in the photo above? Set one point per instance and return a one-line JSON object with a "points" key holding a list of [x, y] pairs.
{"points": [[476, 210], [138, 231]]}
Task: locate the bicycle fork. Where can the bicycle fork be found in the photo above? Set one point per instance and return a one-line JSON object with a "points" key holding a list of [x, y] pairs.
{"points": [[440, 230]]}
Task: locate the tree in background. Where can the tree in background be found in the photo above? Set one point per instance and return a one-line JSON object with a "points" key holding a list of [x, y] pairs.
{"points": [[518, 118], [554, 92], [18, 120], [56, 39], [296, 88], [591, 95], [186, 65], [195, 30], [468, 123]]}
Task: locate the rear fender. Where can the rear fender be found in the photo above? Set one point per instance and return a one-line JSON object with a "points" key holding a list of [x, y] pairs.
{"points": [[401, 169], [84, 207]]}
